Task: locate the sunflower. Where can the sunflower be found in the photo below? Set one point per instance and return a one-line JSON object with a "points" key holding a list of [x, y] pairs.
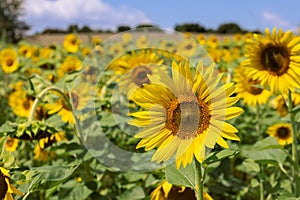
{"points": [[80, 98], [40, 152], [71, 43], [185, 114], [70, 64], [9, 60], [7, 189], [126, 38], [20, 102], [248, 91], [11, 144], [25, 51], [279, 104], [274, 60], [134, 68], [282, 132], [188, 47], [96, 40], [167, 191]]}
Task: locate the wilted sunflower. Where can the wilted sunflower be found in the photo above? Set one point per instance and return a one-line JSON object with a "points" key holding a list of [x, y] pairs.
{"points": [[11, 144], [70, 64], [7, 189], [248, 90], [282, 132], [185, 114], [134, 67], [71, 43], [274, 60], [167, 191], [9, 60]]}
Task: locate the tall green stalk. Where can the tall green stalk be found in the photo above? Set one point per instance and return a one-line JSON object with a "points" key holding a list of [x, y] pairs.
{"points": [[40, 95], [295, 155], [200, 179]]}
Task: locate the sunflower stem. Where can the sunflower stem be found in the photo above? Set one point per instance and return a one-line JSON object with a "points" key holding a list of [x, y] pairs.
{"points": [[258, 120], [261, 184], [200, 180], [294, 145], [39, 96]]}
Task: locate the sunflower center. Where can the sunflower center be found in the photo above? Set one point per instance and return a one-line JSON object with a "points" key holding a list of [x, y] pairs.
{"points": [[275, 59], [252, 88], [3, 186], [10, 142], [188, 47], [139, 75], [26, 104], [73, 41], [187, 116], [283, 132], [9, 62]]}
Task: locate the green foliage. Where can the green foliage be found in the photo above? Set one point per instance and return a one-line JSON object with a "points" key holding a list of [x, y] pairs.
{"points": [[12, 28]]}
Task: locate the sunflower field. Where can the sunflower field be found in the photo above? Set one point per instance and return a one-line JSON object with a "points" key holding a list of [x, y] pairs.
{"points": [[136, 116]]}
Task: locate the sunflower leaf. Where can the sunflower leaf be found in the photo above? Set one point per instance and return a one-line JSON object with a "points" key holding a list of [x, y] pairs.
{"points": [[182, 176], [217, 156]]}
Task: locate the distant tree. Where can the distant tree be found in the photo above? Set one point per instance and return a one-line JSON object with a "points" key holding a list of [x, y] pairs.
{"points": [[85, 29], [230, 28], [123, 28], [11, 27], [190, 27], [151, 27], [53, 30], [72, 28]]}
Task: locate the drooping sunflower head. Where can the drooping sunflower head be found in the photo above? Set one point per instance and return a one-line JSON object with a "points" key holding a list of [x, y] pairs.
{"points": [[184, 113], [248, 89], [274, 59], [282, 132], [9, 60], [71, 43]]}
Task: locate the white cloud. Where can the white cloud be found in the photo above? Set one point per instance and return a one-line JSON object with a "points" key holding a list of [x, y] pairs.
{"points": [[273, 20], [94, 13]]}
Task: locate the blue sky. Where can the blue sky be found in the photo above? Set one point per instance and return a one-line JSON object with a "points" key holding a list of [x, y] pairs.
{"points": [[108, 14]]}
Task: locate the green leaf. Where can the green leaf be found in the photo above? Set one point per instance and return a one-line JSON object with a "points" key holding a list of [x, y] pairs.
{"points": [[134, 193], [182, 176], [8, 127], [217, 156], [266, 150], [48, 176]]}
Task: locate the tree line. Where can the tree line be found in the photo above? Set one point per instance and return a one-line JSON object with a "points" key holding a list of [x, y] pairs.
{"points": [[12, 28]]}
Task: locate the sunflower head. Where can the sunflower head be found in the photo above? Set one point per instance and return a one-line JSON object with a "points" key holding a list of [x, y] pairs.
{"points": [[11, 144], [184, 113], [69, 65], [9, 60], [71, 43], [135, 68], [273, 59], [248, 89], [3, 186], [282, 132], [168, 191]]}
